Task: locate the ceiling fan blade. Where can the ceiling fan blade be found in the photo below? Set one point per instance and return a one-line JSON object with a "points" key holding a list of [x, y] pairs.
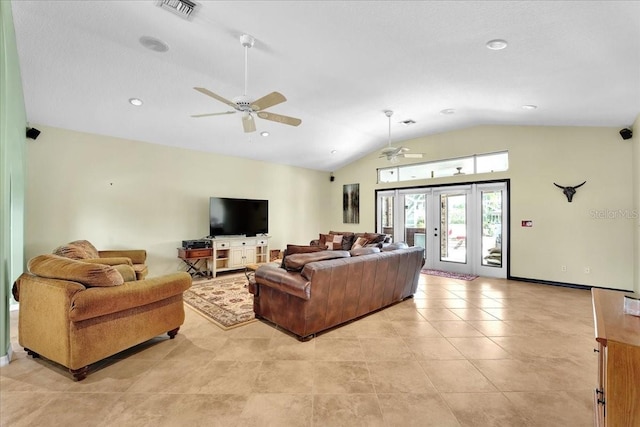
{"points": [[214, 96], [213, 114], [412, 155], [248, 123], [274, 98], [292, 121]]}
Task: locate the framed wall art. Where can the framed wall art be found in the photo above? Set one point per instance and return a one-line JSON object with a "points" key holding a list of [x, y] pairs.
{"points": [[351, 204]]}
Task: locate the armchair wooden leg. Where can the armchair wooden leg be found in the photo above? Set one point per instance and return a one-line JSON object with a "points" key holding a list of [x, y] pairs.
{"points": [[79, 374], [32, 353], [172, 333]]}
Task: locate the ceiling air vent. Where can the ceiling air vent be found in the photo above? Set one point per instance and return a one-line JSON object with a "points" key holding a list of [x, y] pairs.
{"points": [[182, 8]]}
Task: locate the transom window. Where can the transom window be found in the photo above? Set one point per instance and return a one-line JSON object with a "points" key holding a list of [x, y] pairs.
{"points": [[477, 163]]}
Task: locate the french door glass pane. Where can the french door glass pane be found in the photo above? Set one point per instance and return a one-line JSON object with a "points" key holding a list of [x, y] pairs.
{"points": [[453, 228], [415, 219], [492, 228], [386, 213]]}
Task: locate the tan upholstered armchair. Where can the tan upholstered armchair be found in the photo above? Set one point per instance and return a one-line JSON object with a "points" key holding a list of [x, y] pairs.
{"points": [[83, 250], [77, 313]]}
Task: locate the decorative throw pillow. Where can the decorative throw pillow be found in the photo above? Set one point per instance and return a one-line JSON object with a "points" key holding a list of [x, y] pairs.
{"points": [[360, 243], [331, 241], [89, 274], [348, 237]]}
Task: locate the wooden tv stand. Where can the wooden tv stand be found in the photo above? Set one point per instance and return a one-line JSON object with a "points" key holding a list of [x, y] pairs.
{"points": [[617, 398], [234, 253]]}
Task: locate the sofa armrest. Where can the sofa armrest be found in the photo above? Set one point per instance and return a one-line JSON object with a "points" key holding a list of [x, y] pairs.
{"points": [[95, 302], [109, 261], [137, 256], [277, 278]]}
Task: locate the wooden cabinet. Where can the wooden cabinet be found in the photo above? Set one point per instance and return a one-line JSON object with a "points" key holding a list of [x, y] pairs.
{"points": [[233, 253], [617, 396]]}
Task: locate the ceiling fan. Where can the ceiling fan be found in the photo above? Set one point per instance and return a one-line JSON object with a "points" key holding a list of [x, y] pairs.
{"points": [[245, 105], [393, 153]]}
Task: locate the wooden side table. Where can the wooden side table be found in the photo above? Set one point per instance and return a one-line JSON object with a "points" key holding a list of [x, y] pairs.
{"points": [[194, 258], [275, 254]]}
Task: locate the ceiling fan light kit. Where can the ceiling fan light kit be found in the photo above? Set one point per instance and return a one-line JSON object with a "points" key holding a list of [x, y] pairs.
{"points": [[245, 104]]}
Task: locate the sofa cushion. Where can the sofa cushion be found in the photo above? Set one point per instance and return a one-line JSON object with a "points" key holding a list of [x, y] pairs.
{"points": [[89, 274], [331, 241], [299, 249], [364, 251], [394, 246], [297, 262]]}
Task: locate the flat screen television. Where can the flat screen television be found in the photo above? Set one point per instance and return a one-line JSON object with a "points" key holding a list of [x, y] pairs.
{"points": [[233, 217]]}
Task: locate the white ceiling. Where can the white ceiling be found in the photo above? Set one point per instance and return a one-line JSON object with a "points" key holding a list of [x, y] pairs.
{"points": [[339, 63]]}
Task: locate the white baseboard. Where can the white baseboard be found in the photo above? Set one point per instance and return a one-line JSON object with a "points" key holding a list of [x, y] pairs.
{"points": [[4, 360]]}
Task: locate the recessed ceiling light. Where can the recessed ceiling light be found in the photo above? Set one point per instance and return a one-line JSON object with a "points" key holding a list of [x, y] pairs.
{"points": [[154, 44], [334, 151], [264, 133], [529, 107], [135, 101], [496, 44], [408, 122], [448, 111]]}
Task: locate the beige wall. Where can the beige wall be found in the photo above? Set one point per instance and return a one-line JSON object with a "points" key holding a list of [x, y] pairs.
{"points": [[570, 234], [127, 194], [120, 193]]}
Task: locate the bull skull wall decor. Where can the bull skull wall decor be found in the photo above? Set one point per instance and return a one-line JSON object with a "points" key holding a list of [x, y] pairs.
{"points": [[569, 191]]}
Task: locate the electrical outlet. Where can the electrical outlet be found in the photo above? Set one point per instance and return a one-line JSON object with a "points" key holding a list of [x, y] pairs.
{"points": [[563, 268], [587, 270]]}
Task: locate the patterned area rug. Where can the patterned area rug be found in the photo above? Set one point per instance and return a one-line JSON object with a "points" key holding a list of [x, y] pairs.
{"points": [[225, 300], [449, 274]]}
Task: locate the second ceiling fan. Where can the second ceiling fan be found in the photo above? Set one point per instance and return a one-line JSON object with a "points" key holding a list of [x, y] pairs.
{"points": [[392, 153], [245, 105]]}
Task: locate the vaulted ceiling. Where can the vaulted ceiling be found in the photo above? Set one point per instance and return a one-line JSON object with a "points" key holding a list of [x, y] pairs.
{"points": [[340, 64]]}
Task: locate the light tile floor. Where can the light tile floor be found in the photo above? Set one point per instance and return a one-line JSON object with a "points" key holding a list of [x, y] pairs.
{"points": [[482, 353]]}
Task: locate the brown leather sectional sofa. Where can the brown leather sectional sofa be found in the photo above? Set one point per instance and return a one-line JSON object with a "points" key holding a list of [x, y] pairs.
{"points": [[328, 288]]}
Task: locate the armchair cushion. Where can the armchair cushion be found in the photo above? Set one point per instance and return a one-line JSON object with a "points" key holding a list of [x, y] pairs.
{"points": [[73, 252], [85, 251], [97, 302], [87, 247], [88, 274]]}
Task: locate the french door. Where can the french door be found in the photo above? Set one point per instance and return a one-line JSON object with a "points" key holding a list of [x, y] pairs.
{"points": [[462, 228]]}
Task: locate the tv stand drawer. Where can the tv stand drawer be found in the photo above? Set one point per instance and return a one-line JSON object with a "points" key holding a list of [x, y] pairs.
{"points": [[244, 242]]}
